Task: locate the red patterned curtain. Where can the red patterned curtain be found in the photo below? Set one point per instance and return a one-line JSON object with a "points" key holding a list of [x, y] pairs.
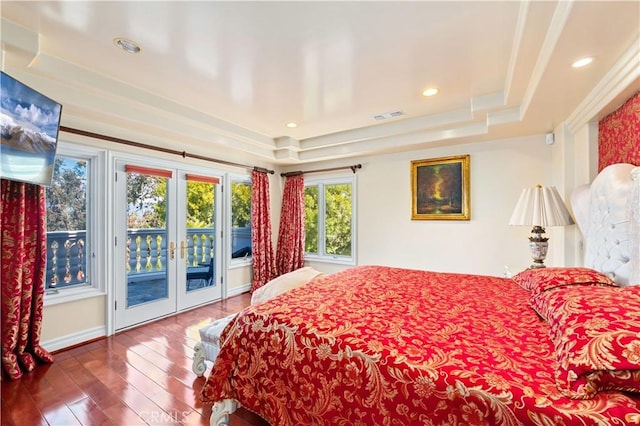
{"points": [[619, 135], [290, 255], [264, 268], [24, 261]]}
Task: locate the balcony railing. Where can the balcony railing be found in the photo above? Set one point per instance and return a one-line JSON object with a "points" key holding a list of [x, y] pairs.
{"points": [[146, 252], [66, 260]]}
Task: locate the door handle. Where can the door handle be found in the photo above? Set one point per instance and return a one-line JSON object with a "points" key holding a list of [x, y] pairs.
{"points": [[172, 250], [182, 249]]}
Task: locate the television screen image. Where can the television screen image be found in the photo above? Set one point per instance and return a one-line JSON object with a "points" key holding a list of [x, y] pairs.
{"points": [[29, 123]]}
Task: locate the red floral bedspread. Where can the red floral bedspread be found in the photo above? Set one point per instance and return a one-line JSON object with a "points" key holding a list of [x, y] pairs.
{"points": [[386, 346]]}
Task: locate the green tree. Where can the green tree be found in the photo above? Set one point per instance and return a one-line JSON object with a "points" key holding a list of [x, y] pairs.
{"points": [[66, 197], [200, 204], [146, 201], [240, 204], [311, 219], [338, 219]]}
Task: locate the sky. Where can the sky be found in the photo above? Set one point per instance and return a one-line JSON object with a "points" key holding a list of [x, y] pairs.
{"points": [[29, 108]]}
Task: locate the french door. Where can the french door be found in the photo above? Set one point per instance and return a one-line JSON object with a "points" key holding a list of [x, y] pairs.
{"points": [[167, 241]]}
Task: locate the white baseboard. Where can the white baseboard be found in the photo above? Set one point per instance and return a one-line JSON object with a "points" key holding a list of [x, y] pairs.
{"points": [[74, 339], [238, 290], [96, 332]]}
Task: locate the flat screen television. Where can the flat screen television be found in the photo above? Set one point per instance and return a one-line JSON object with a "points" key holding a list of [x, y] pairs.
{"points": [[29, 123]]}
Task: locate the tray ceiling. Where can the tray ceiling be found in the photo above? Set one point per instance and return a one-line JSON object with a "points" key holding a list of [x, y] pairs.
{"points": [[227, 77]]}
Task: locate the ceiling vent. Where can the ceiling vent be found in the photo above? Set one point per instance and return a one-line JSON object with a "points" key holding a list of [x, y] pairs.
{"points": [[386, 115]]}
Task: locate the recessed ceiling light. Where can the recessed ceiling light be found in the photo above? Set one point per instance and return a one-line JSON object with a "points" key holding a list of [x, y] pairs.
{"points": [[582, 62], [292, 125], [127, 45], [430, 91]]}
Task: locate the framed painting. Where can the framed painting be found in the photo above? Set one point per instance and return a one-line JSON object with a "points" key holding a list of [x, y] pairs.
{"points": [[440, 189]]}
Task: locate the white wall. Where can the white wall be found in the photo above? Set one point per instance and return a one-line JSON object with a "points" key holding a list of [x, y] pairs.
{"points": [[386, 234], [582, 153], [67, 324], [499, 171]]}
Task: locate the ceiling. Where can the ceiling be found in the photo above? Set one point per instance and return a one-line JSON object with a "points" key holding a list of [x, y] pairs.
{"points": [[225, 78]]}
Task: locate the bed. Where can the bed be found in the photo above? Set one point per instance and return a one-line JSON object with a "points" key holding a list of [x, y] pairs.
{"points": [[392, 346], [208, 347]]}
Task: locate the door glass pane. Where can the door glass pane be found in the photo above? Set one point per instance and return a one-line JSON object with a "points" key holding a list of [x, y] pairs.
{"points": [[200, 244], [146, 262]]}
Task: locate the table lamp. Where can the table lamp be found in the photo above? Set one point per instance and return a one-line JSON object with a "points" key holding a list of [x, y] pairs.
{"points": [[540, 207]]}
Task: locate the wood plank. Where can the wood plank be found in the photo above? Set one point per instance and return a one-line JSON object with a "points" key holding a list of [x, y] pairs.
{"points": [[136, 377]]}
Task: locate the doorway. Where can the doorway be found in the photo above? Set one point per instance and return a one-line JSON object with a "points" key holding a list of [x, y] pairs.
{"points": [[168, 241]]}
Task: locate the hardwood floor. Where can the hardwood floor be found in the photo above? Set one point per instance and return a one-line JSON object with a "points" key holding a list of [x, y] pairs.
{"points": [[138, 376]]}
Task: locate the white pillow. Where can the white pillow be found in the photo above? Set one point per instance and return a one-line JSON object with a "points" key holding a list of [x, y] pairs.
{"points": [[284, 283]]}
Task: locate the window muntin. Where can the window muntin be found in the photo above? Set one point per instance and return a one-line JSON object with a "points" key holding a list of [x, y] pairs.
{"points": [[330, 220]]}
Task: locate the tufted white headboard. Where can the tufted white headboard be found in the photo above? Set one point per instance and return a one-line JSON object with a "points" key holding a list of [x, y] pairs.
{"points": [[608, 214]]}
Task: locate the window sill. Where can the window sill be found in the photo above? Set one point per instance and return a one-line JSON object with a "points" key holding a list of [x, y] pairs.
{"points": [[71, 295], [240, 263], [337, 260]]}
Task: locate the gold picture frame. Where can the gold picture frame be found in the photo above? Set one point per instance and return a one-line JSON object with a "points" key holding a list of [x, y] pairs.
{"points": [[440, 188]]}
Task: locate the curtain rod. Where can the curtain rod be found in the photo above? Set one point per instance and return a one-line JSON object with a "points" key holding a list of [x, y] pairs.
{"points": [[263, 170], [301, 172], [183, 154]]}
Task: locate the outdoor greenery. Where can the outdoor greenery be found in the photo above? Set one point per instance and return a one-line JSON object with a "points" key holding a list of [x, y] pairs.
{"points": [[311, 219], [66, 201], [146, 196], [146, 201], [240, 204], [147, 205], [148, 209], [66, 197], [200, 203], [337, 218]]}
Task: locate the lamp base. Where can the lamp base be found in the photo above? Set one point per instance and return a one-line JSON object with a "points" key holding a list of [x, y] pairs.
{"points": [[538, 244]]}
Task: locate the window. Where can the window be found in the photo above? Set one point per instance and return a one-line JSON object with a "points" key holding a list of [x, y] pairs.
{"points": [[72, 222], [240, 218], [330, 220]]}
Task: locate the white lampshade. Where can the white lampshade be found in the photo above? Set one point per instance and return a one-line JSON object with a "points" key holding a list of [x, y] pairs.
{"points": [[540, 206]]}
